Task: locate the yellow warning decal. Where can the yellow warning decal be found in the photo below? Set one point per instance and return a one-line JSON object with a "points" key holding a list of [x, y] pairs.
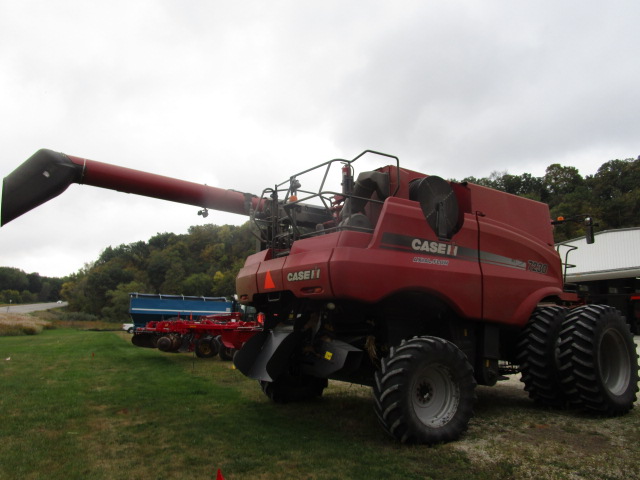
{"points": [[328, 355]]}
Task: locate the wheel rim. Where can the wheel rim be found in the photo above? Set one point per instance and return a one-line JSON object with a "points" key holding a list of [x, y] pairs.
{"points": [[435, 395], [613, 362]]}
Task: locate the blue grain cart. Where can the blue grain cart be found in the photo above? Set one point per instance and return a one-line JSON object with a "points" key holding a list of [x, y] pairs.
{"points": [[147, 307]]}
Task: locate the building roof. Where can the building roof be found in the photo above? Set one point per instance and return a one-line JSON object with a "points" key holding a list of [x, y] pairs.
{"points": [[615, 254]]}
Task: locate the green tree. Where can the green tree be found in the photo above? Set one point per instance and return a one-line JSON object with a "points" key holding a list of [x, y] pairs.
{"points": [[35, 282], [28, 297], [161, 240], [224, 284], [198, 284], [101, 279], [616, 188], [10, 296], [560, 180], [116, 308], [13, 278], [173, 279], [74, 290], [157, 267]]}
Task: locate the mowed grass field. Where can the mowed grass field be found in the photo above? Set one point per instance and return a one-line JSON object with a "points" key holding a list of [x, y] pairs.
{"points": [[89, 405]]}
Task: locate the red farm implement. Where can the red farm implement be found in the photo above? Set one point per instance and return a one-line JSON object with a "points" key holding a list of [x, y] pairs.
{"points": [[209, 336]]}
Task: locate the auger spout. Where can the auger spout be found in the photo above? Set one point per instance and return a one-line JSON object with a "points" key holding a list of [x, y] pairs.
{"points": [[46, 174]]}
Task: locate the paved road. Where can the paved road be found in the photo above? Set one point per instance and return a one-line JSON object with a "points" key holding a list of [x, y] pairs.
{"points": [[33, 307]]}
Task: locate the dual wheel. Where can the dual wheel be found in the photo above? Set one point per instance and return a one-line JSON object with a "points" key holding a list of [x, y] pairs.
{"points": [[584, 358], [209, 346], [225, 353], [206, 347]]}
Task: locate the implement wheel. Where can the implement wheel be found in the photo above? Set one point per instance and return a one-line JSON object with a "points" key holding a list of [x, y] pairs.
{"points": [[425, 391], [538, 356], [225, 353], [206, 347], [147, 340], [599, 360]]}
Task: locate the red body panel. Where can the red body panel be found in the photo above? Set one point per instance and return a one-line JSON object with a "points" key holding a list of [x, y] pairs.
{"points": [[517, 213], [518, 272], [390, 264], [497, 267], [519, 265]]}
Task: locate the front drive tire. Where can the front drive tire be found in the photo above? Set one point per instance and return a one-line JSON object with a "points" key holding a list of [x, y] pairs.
{"points": [[598, 360], [289, 388], [424, 391]]}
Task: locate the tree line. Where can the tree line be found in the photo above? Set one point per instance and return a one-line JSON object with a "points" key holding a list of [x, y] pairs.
{"points": [[17, 286], [206, 260], [202, 262]]}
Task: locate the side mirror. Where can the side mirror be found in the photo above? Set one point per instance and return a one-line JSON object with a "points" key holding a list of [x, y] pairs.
{"points": [[588, 223]]}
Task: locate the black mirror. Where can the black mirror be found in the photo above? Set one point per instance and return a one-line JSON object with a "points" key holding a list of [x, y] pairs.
{"points": [[588, 223]]}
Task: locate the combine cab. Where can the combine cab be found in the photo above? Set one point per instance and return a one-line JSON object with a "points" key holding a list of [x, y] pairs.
{"points": [[419, 287]]}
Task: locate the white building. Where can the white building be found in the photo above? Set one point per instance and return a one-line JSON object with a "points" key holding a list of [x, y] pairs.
{"points": [[615, 254], [607, 271]]}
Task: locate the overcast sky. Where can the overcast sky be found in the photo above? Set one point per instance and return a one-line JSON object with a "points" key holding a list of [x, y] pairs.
{"points": [[242, 94]]}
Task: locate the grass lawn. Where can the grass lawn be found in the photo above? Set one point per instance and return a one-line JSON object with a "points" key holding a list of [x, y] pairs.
{"points": [[89, 405]]}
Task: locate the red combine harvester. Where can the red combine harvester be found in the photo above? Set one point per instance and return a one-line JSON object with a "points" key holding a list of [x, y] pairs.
{"points": [[419, 287]]}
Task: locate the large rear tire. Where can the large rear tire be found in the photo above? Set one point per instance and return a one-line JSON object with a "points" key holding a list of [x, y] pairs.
{"points": [[538, 356], [599, 361], [425, 391]]}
